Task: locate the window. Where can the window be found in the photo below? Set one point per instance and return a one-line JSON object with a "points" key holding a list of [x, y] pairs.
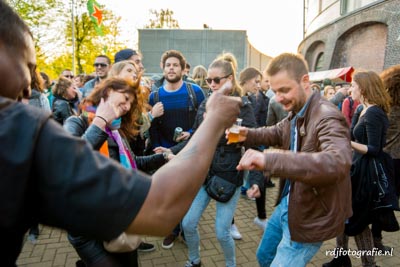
{"points": [[347, 6], [319, 62]]}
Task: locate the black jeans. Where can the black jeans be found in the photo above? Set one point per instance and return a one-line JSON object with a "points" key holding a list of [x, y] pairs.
{"points": [[396, 164], [93, 254], [260, 202]]}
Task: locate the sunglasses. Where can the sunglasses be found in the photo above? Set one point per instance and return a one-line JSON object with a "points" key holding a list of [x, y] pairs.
{"points": [[217, 80], [69, 76], [103, 65]]}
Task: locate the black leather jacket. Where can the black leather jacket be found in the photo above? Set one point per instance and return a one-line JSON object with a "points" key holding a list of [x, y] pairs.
{"points": [[260, 104], [62, 109], [78, 126]]}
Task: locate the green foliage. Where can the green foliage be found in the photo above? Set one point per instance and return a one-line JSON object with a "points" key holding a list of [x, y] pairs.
{"points": [[163, 20], [51, 24], [42, 17]]}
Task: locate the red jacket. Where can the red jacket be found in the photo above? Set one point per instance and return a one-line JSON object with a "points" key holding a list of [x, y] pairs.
{"points": [[349, 106]]}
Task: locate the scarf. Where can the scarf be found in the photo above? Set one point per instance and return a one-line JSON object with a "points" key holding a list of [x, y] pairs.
{"points": [[125, 157]]}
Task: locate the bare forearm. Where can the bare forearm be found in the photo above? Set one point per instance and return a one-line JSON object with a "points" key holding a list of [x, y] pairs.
{"points": [[360, 148], [175, 185]]}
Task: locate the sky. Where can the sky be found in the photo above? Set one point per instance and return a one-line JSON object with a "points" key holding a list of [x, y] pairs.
{"points": [[273, 26]]}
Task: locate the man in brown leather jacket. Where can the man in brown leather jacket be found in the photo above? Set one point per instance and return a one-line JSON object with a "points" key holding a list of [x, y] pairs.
{"points": [[315, 197]]}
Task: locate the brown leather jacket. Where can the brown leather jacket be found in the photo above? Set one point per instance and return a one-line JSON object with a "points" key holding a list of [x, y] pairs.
{"points": [[320, 189]]}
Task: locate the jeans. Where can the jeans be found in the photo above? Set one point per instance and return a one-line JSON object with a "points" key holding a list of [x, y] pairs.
{"points": [[223, 220], [277, 249]]}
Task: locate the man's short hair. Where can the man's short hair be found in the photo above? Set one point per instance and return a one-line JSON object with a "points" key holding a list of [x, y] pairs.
{"points": [[106, 57], [176, 54], [294, 64], [12, 28]]}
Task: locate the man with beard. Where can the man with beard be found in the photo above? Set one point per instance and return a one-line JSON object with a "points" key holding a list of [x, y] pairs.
{"points": [[102, 65], [315, 159], [181, 101]]}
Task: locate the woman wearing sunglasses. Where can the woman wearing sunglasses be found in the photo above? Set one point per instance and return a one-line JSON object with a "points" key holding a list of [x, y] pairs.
{"points": [[221, 73]]}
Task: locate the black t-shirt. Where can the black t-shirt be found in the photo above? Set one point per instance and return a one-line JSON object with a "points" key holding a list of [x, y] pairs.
{"points": [[50, 177]]}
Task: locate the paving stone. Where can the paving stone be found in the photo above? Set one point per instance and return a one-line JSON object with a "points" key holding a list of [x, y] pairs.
{"points": [[30, 260], [49, 254], [53, 248], [60, 259]]}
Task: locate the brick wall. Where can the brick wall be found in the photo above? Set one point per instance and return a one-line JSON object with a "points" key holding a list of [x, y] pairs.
{"points": [[361, 47], [368, 38]]}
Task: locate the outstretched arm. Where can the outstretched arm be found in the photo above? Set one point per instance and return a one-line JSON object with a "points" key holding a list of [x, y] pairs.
{"points": [[175, 185]]}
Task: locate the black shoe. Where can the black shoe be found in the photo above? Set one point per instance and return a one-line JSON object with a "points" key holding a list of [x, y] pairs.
{"points": [[341, 261], [169, 241], [80, 263], [269, 184], [146, 247], [191, 264], [34, 231]]}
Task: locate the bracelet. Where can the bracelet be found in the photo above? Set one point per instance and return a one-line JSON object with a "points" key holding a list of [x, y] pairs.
{"points": [[100, 117], [150, 116]]}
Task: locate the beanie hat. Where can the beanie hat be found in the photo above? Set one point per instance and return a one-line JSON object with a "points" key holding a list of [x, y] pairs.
{"points": [[124, 54]]}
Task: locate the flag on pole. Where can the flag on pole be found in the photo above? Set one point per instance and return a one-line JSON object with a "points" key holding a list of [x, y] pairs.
{"points": [[96, 15]]}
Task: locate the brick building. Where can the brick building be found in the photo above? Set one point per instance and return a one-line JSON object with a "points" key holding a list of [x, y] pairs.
{"points": [[358, 33]]}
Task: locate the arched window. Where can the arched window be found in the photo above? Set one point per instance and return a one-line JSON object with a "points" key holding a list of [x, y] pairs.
{"points": [[319, 62]]}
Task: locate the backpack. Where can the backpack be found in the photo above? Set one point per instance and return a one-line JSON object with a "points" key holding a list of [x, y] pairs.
{"points": [[351, 103]]}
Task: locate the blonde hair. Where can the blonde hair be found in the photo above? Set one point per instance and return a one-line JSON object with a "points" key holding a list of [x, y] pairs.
{"points": [[116, 68], [327, 88], [199, 75], [228, 63]]}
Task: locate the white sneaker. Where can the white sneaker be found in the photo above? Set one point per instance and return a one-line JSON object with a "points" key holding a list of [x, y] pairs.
{"points": [[235, 232], [33, 238], [262, 223]]}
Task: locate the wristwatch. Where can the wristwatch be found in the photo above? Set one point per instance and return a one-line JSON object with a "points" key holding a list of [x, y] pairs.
{"points": [[165, 155]]}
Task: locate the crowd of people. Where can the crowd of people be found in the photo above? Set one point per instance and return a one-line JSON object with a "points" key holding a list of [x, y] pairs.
{"points": [[119, 153]]}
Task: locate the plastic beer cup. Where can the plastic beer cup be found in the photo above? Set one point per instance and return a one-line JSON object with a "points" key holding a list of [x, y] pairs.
{"points": [[233, 136]]}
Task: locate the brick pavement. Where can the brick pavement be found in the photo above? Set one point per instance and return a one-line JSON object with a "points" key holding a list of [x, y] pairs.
{"points": [[53, 248]]}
